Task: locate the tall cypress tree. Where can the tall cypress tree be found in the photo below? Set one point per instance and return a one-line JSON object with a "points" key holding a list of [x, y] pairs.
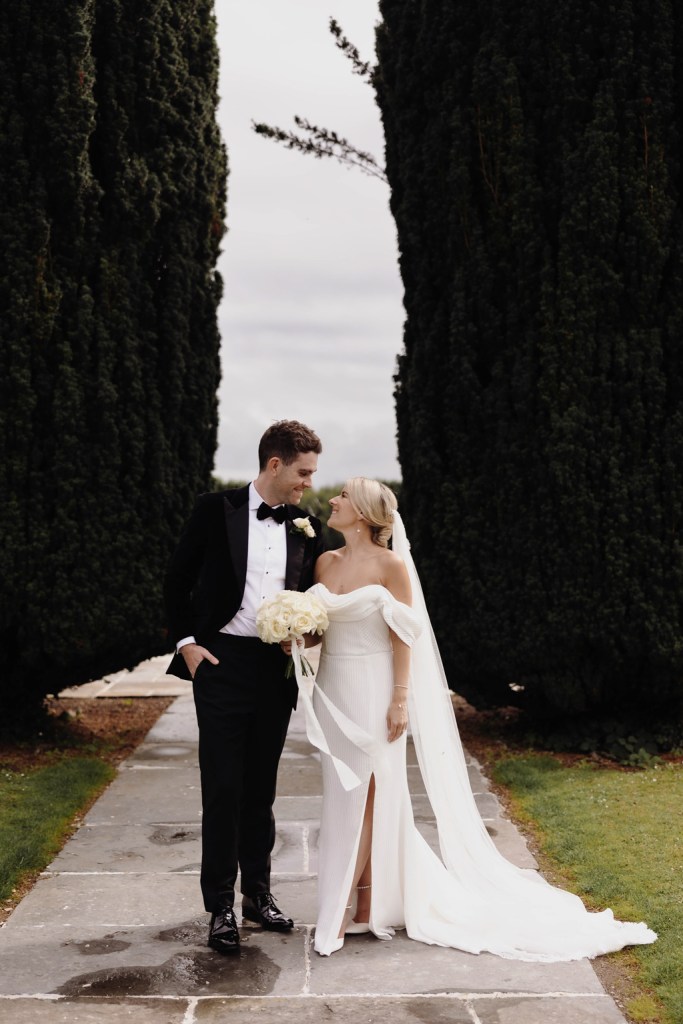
{"points": [[114, 178], [534, 155]]}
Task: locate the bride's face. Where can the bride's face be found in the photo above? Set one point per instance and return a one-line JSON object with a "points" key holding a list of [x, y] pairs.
{"points": [[343, 514]]}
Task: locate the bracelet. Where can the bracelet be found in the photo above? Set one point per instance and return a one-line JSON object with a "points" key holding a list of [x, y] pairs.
{"points": [[400, 686]]}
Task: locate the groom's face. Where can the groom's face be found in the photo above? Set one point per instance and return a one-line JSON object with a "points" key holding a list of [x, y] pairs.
{"points": [[292, 480]]}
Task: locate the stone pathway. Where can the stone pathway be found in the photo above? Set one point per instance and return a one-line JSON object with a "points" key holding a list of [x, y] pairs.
{"points": [[149, 679], [114, 931]]}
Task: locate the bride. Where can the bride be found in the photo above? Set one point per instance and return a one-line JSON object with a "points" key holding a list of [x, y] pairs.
{"points": [[379, 667]]}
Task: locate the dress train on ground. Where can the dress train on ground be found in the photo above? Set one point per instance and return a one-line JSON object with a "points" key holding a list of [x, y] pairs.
{"points": [[472, 899]]}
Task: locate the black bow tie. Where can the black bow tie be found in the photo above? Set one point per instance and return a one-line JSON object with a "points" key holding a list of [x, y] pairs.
{"points": [[279, 514]]}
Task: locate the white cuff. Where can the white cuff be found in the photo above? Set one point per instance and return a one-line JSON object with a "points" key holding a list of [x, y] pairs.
{"points": [[186, 640]]}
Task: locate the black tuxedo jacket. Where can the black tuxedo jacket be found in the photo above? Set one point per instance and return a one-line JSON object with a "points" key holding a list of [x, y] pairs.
{"points": [[204, 585]]}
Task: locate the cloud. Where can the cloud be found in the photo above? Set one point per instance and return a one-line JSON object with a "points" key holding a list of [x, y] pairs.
{"points": [[311, 319]]}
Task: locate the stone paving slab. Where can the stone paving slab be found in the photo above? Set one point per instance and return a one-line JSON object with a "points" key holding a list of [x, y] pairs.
{"points": [[510, 843], [547, 1010], [457, 1009], [398, 965], [169, 753], [162, 848], [297, 808], [178, 723], [148, 679], [132, 848], [93, 1011], [298, 748], [79, 902], [299, 778], [361, 1010], [296, 848], [478, 781], [161, 794]]}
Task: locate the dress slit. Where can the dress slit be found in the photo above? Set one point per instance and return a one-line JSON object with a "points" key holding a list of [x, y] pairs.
{"points": [[332, 926]]}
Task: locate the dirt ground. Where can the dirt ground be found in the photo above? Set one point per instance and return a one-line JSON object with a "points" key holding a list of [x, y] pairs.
{"points": [[108, 727]]}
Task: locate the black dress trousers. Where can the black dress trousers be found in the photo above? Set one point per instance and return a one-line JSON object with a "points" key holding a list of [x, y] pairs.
{"points": [[243, 708]]}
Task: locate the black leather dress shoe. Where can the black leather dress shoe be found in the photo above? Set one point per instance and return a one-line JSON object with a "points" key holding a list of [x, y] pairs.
{"points": [[223, 934], [264, 911]]}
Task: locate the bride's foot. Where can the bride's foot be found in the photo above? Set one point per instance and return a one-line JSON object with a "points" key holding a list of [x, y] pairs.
{"points": [[357, 928], [348, 919], [357, 922], [360, 922]]}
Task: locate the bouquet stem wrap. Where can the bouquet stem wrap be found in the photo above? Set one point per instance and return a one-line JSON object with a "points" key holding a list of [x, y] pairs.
{"points": [[290, 615], [314, 731]]}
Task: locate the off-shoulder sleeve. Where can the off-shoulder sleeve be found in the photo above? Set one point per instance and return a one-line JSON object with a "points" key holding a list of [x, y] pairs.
{"points": [[400, 617]]}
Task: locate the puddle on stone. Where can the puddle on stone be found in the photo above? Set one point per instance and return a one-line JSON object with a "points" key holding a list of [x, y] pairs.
{"points": [[99, 947], [163, 752], [252, 973], [172, 834], [190, 933]]}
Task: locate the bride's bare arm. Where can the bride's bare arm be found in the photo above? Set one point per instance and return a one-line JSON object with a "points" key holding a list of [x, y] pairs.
{"points": [[397, 583]]}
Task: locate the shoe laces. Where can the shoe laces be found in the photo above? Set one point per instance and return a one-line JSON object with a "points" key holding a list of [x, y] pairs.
{"points": [[265, 899], [225, 912]]}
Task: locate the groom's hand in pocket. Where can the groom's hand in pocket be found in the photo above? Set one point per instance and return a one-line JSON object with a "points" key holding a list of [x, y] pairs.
{"points": [[194, 655]]}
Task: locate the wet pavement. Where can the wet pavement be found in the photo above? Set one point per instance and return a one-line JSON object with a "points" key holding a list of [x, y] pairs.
{"points": [[114, 929]]}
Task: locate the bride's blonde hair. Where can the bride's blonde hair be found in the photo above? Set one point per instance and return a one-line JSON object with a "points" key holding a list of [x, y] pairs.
{"points": [[376, 503]]}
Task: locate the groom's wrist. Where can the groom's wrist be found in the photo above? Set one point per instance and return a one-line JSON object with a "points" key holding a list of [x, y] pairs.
{"points": [[184, 642]]}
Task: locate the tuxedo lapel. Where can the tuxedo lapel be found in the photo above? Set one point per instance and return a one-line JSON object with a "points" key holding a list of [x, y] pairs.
{"points": [[295, 557], [236, 513]]}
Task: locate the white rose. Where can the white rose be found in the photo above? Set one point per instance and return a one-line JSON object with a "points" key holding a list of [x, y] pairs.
{"points": [[279, 630], [304, 524], [290, 613], [302, 623]]}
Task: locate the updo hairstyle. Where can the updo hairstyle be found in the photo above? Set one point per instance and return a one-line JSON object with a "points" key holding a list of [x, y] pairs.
{"points": [[376, 503]]}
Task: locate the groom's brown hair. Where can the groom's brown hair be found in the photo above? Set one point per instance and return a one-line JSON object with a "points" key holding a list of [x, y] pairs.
{"points": [[287, 439]]}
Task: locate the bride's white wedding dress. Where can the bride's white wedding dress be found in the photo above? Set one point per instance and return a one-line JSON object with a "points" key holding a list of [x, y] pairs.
{"points": [[474, 900]]}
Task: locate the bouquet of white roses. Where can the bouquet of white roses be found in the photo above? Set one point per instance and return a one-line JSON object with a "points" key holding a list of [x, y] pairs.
{"points": [[289, 616]]}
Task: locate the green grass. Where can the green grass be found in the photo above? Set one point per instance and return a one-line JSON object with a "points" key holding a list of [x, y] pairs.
{"points": [[615, 838], [36, 809]]}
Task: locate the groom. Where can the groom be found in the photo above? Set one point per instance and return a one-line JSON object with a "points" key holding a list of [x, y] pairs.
{"points": [[239, 548]]}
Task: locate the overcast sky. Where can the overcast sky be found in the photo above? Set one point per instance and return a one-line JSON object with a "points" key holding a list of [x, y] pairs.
{"points": [[311, 319]]}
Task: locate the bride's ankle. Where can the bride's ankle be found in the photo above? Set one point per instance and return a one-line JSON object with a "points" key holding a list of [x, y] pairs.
{"points": [[362, 914]]}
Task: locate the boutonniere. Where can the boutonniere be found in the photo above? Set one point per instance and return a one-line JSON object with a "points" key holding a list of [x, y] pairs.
{"points": [[303, 526]]}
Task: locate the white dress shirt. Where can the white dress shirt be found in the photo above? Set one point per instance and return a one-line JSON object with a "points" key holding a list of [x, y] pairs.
{"points": [[266, 567]]}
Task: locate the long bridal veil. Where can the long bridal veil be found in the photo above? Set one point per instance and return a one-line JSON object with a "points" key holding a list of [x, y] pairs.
{"points": [[529, 919], [436, 737]]}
